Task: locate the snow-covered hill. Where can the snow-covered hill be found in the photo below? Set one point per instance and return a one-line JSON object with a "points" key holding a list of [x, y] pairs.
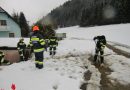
{"points": [[117, 33], [66, 70]]}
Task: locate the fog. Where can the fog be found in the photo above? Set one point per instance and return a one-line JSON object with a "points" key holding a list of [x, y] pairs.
{"points": [[33, 9]]}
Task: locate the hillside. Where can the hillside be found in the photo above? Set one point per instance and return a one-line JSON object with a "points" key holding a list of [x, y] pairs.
{"points": [[90, 12]]}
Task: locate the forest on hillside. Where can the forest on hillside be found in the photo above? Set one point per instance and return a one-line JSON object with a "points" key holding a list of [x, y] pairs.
{"points": [[90, 13]]}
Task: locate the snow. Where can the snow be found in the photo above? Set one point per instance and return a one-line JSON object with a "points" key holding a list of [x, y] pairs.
{"points": [[11, 42], [123, 48], [65, 71], [120, 46], [27, 77], [120, 66], [116, 33]]}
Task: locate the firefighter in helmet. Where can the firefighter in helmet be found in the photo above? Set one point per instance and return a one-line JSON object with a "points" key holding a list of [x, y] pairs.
{"points": [[2, 60], [100, 45], [38, 45], [1, 57], [21, 46], [53, 43]]}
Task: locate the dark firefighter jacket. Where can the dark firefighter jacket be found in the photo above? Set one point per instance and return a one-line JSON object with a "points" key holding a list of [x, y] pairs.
{"points": [[21, 45], [37, 42], [53, 42], [101, 41]]}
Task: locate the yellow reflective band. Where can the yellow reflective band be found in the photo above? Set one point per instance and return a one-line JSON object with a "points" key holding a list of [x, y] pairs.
{"points": [[21, 43], [21, 54], [103, 45], [38, 50], [34, 39], [31, 44], [47, 39], [42, 43], [41, 40], [101, 55], [52, 39], [53, 45], [20, 49], [38, 62], [2, 60]]}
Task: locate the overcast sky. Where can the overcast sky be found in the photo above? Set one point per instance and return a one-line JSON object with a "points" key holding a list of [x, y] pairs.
{"points": [[33, 9]]}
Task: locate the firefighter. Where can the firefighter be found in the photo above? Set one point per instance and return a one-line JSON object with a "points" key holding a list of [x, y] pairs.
{"points": [[100, 45], [53, 43], [21, 46], [1, 57], [38, 44], [2, 60]]}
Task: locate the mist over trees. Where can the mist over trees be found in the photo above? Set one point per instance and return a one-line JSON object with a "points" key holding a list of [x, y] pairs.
{"points": [[91, 12], [46, 29]]}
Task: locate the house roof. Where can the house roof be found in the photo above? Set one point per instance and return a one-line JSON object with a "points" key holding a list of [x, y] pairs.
{"points": [[3, 11]]}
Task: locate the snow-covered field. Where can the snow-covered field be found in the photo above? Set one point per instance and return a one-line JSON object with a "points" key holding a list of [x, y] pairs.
{"points": [[66, 70]]}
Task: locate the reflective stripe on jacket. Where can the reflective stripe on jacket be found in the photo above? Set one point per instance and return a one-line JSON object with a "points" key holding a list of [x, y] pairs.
{"points": [[53, 42], [2, 54], [37, 42], [21, 45]]}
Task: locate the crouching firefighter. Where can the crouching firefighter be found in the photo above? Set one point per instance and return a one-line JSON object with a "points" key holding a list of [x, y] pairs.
{"points": [[21, 46], [2, 60], [53, 43], [38, 45], [100, 45]]}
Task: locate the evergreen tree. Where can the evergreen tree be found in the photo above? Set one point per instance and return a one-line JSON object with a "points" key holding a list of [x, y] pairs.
{"points": [[46, 30], [23, 25], [91, 12], [15, 17]]}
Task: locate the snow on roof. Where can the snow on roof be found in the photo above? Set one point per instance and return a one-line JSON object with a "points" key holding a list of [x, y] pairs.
{"points": [[1, 10]]}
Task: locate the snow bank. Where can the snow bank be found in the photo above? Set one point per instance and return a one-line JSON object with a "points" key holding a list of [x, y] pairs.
{"points": [[12, 42], [120, 67]]}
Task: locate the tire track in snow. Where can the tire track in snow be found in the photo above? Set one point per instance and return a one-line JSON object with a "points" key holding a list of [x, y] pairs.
{"points": [[105, 82], [119, 51], [92, 76]]}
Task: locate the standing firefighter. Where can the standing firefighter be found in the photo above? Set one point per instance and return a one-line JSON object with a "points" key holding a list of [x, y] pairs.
{"points": [[21, 46], [100, 45], [38, 44], [1, 57], [53, 43], [2, 60]]}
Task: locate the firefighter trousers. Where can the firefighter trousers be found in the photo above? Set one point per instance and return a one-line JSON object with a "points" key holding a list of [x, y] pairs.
{"points": [[97, 51], [52, 50], [21, 53], [39, 59]]}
